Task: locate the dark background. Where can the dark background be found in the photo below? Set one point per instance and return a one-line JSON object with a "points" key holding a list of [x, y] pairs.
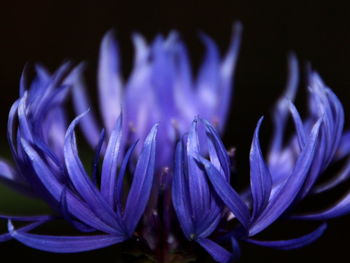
{"points": [[52, 31]]}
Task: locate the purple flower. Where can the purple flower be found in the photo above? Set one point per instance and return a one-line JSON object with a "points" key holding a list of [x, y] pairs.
{"points": [[180, 172], [291, 173], [53, 171]]}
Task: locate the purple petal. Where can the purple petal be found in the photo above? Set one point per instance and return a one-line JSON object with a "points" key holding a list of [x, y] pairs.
{"points": [[342, 207], [227, 69], [142, 182], [6, 171], [11, 127], [280, 113], [219, 150], [64, 244], [109, 81], [217, 252], [82, 182], [342, 176], [7, 236], [67, 215], [120, 180], [226, 193], [27, 218], [74, 204], [289, 191], [180, 194], [110, 162], [199, 193], [260, 177], [43, 172], [208, 78], [298, 125], [344, 145], [292, 243], [81, 103]]}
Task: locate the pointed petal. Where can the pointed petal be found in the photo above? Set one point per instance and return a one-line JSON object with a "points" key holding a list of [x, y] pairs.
{"points": [[260, 177], [63, 244], [289, 191], [180, 195], [280, 112], [43, 172], [120, 180], [208, 77], [81, 103], [199, 193], [7, 236], [292, 243], [226, 193], [227, 69], [342, 176], [142, 182], [342, 207], [82, 182], [11, 127], [110, 162], [109, 81], [6, 171], [220, 151], [299, 127]]}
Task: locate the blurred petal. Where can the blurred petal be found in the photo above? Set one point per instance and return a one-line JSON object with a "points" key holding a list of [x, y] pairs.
{"points": [[81, 103], [109, 81]]}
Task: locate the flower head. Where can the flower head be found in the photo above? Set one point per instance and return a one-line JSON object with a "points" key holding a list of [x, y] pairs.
{"points": [[180, 172]]}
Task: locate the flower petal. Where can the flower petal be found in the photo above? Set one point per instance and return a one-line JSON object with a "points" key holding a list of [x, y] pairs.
{"points": [[109, 81], [260, 177], [217, 252], [82, 182], [63, 244], [292, 243], [227, 194], [142, 182], [7, 236], [227, 69], [81, 103], [289, 191], [110, 162], [180, 193]]}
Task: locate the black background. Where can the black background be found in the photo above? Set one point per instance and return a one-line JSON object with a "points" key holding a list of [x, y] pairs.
{"points": [[52, 31]]}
